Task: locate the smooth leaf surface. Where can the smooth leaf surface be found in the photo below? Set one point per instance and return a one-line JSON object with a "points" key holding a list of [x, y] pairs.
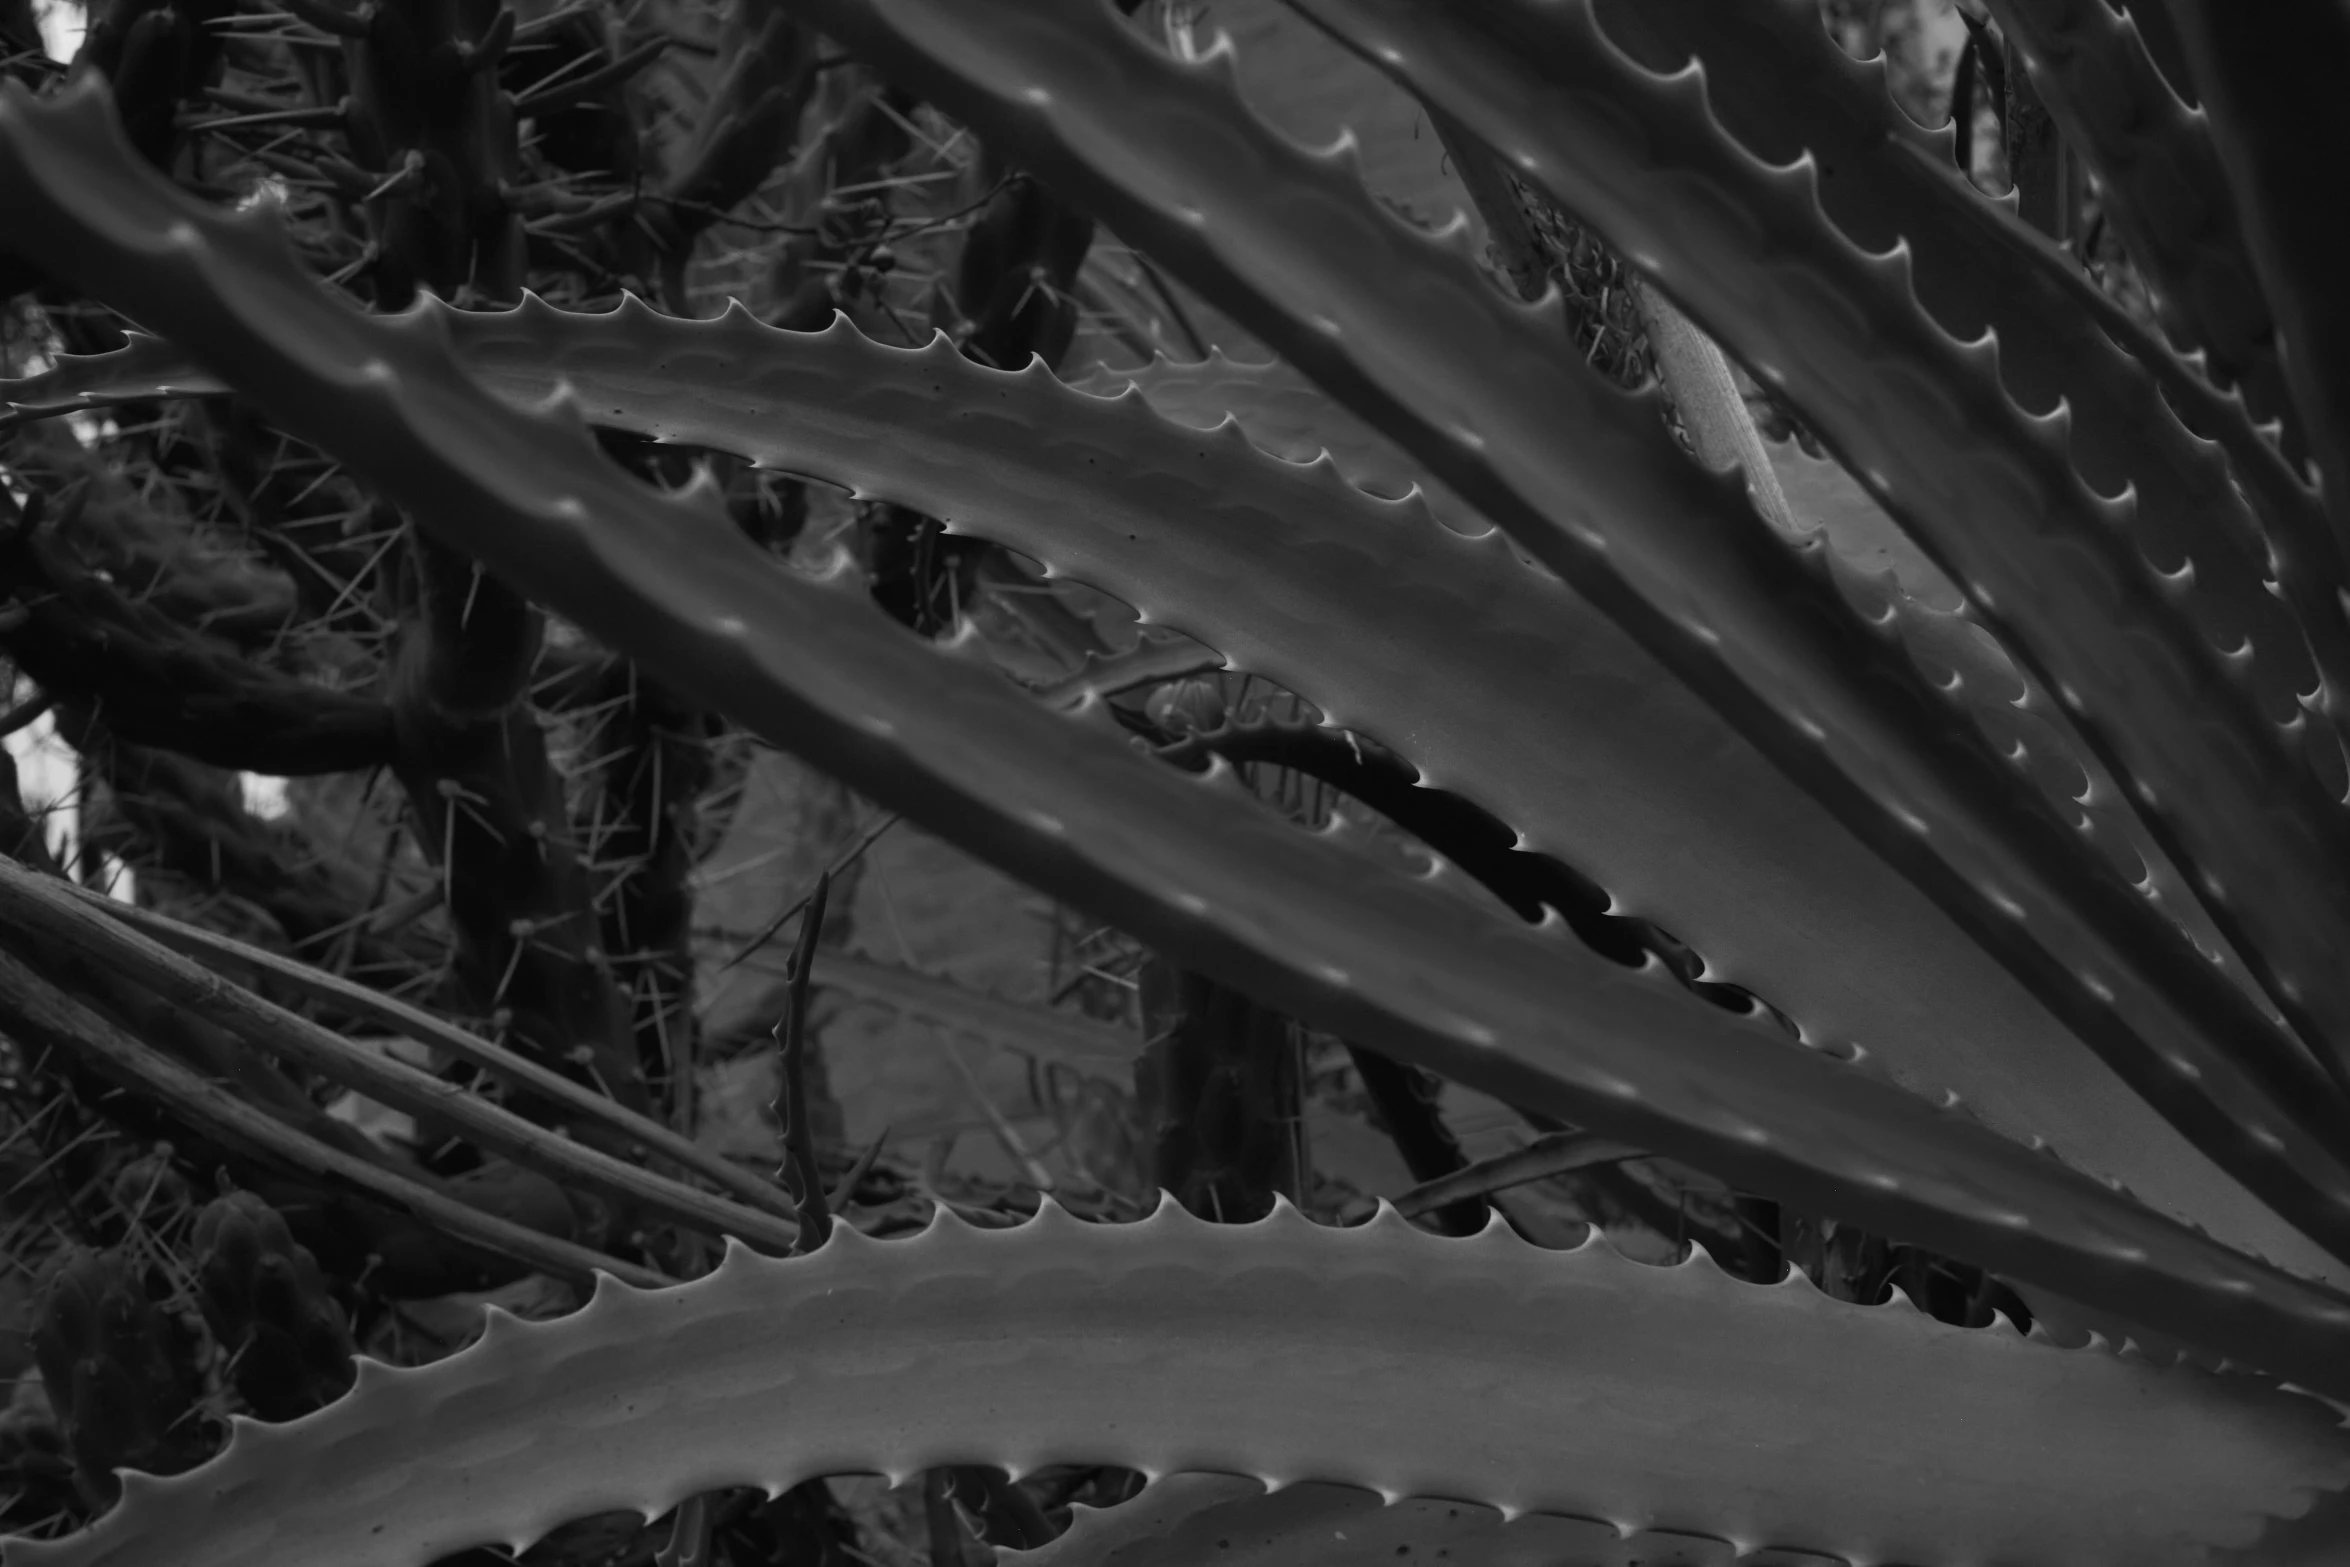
{"points": [[1380, 1357], [1197, 868], [1402, 327], [1991, 492], [1487, 674]]}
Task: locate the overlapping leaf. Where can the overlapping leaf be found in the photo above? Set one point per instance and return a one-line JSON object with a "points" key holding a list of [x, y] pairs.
{"points": [[1400, 326], [1234, 890], [1573, 1383], [1992, 493]]}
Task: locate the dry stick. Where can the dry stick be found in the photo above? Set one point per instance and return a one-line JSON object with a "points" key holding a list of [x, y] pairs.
{"points": [[800, 1171], [37, 1012], [213, 949], [35, 903], [837, 866], [1557, 1154], [844, 1193]]}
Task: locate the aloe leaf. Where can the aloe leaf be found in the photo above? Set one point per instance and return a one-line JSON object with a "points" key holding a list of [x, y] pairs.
{"points": [[158, 682], [1781, 87], [1401, 326], [1312, 90], [1291, 418], [1284, 413], [1157, 1521], [2160, 178], [1194, 1520], [1990, 491], [1633, 781], [145, 366], [1442, 646], [1576, 1383], [2270, 79], [1197, 868]]}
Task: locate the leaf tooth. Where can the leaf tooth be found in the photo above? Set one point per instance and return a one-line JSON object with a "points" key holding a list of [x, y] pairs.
{"points": [[370, 1375], [1166, 1214], [1052, 1218], [1597, 1245], [498, 1325], [737, 1259]]}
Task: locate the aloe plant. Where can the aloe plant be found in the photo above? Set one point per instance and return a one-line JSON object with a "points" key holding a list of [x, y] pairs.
{"points": [[2007, 837]]}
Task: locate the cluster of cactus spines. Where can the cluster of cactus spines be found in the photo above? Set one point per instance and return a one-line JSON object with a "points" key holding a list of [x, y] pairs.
{"points": [[491, 815], [157, 55], [189, 821], [160, 683], [1011, 302], [749, 124], [860, 132], [288, 1343], [652, 763], [433, 132], [120, 1369]]}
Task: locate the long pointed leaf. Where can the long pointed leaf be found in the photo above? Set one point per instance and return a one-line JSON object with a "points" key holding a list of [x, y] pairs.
{"points": [[1781, 87], [1576, 1383], [1437, 644], [1401, 326], [2170, 706], [2270, 78], [1198, 869], [2160, 179]]}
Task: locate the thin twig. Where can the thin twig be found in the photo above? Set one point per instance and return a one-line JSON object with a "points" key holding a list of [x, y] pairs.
{"points": [[40, 905], [422, 1026], [800, 1171], [1557, 1154], [837, 866], [38, 1013]]}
